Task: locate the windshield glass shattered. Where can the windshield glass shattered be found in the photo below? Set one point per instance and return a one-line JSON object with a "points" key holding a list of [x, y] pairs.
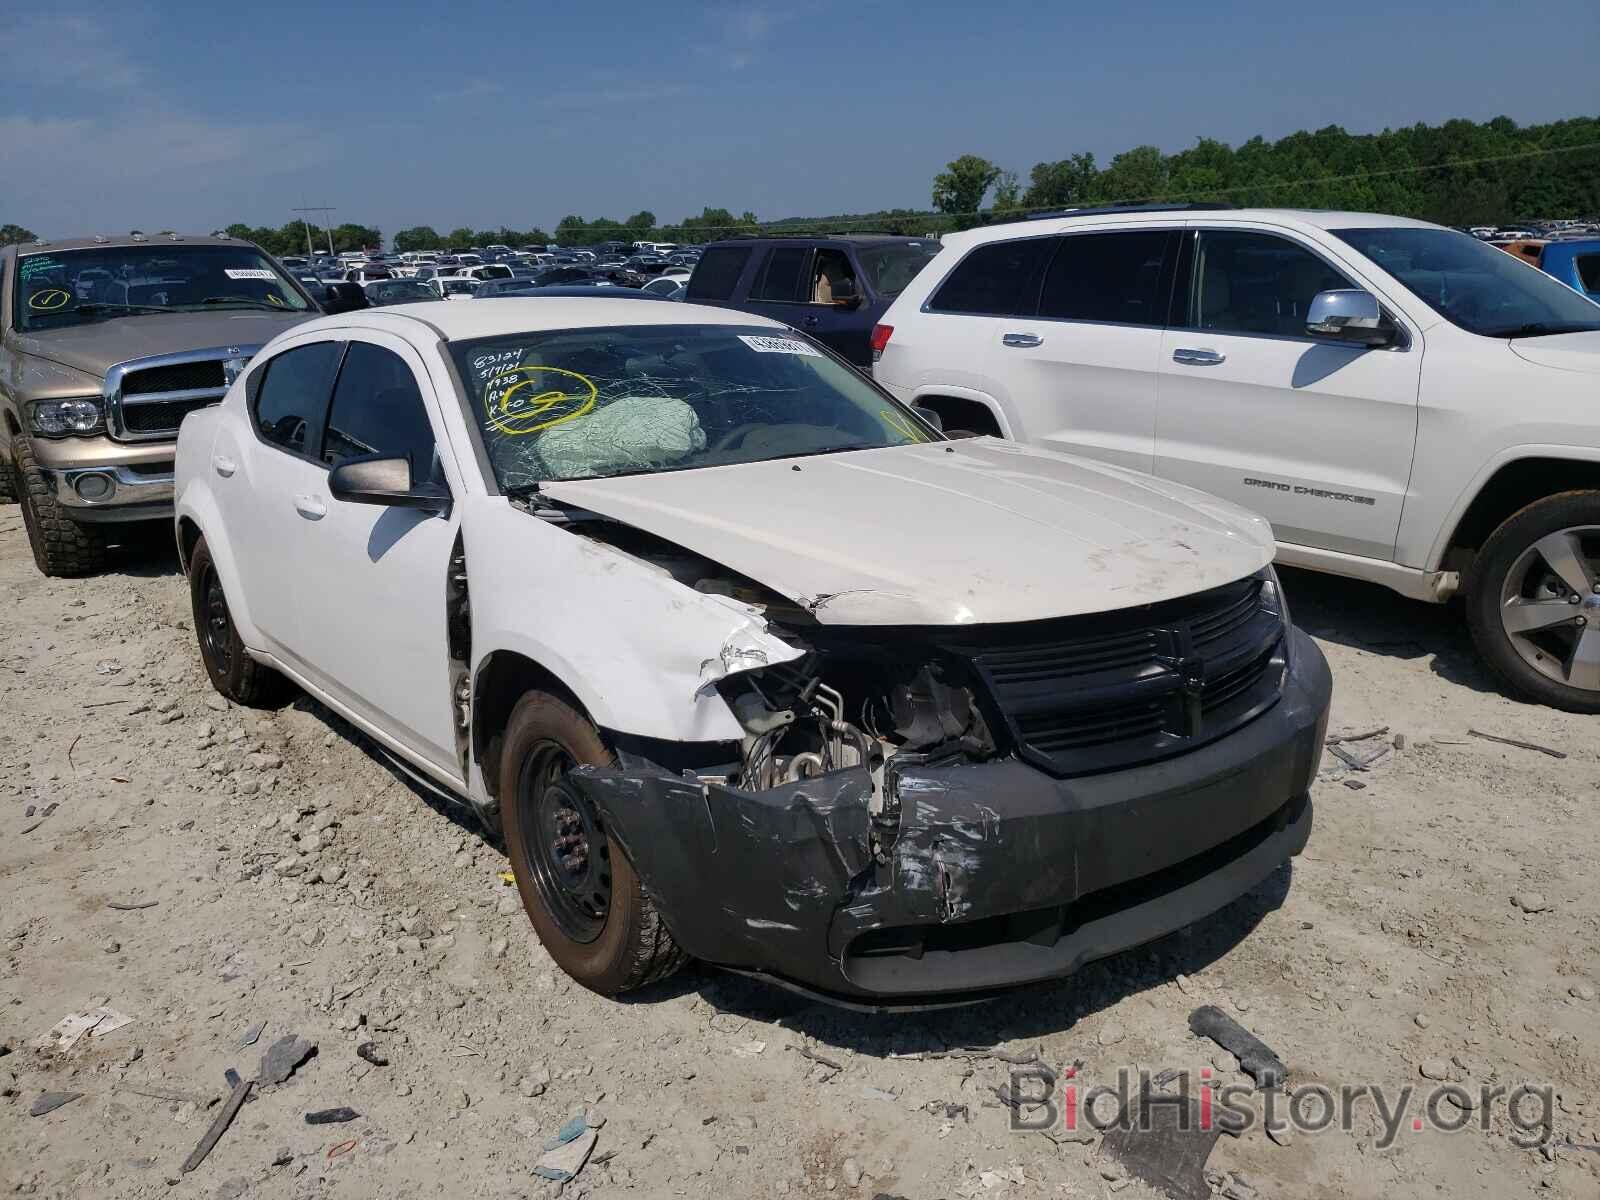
{"points": [[72, 287], [590, 403]]}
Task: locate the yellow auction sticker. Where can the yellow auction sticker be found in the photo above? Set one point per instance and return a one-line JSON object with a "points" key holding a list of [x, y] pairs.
{"points": [[49, 300], [515, 405]]}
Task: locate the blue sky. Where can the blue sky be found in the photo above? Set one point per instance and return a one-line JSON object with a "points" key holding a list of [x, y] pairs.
{"points": [[190, 116]]}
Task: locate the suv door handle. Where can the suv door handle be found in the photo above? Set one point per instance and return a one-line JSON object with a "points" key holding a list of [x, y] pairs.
{"points": [[810, 322], [1198, 358], [224, 466], [310, 507], [1021, 341]]}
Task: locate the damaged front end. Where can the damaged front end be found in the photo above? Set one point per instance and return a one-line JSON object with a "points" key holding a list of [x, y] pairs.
{"points": [[915, 815]]}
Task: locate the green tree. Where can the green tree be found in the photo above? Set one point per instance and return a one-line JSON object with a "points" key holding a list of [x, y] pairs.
{"points": [[1067, 183], [1137, 174], [418, 237], [1007, 197], [355, 237], [11, 235], [959, 189], [459, 239], [642, 222]]}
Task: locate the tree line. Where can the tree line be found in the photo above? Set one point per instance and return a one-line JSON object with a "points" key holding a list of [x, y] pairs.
{"points": [[1458, 173]]}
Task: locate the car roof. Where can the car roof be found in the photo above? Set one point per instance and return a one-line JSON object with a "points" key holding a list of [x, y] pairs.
{"points": [[458, 322], [122, 242], [857, 238], [1305, 217]]}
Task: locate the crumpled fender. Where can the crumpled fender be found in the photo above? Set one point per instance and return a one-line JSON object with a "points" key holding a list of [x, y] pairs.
{"points": [[635, 646]]}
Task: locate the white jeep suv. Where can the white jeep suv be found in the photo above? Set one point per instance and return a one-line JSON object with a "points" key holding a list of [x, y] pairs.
{"points": [[1404, 403]]}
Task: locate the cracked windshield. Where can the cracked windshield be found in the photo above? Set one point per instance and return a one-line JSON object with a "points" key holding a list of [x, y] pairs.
{"points": [[71, 287], [588, 403]]}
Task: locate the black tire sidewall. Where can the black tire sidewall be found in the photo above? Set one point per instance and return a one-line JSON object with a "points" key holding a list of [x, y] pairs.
{"points": [[230, 682], [604, 965], [1485, 581]]}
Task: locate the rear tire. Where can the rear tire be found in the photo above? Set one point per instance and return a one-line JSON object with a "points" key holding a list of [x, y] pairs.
{"points": [[228, 664], [62, 548], [581, 893], [1533, 604]]}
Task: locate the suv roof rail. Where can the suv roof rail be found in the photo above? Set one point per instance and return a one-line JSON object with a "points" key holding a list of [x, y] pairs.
{"points": [[1102, 209]]}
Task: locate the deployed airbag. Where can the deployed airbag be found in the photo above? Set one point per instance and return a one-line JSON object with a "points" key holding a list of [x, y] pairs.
{"points": [[632, 433]]}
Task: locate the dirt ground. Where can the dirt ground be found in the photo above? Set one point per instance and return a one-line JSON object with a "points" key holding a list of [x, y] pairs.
{"points": [[297, 881]]}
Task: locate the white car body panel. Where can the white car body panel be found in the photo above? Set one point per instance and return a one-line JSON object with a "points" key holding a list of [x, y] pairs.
{"points": [[946, 533]]}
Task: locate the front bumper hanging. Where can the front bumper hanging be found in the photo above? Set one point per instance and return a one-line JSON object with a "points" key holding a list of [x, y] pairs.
{"points": [[1000, 874]]}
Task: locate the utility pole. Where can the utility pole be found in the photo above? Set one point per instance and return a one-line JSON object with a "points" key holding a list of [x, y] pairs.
{"points": [[324, 211]]}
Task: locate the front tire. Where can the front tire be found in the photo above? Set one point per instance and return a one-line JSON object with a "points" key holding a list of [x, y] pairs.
{"points": [[228, 664], [1533, 601], [62, 548], [580, 892]]}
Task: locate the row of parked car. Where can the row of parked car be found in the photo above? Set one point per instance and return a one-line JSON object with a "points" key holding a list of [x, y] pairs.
{"points": [[876, 582], [414, 277]]}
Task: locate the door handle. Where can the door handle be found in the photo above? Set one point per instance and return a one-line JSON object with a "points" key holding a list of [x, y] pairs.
{"points": [[310, 507], [1198, 358], [1021, 341], [810, 322], [225, 466]]}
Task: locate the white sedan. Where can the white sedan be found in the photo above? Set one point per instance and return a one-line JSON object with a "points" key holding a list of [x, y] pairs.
{"points": [[746, 660]]}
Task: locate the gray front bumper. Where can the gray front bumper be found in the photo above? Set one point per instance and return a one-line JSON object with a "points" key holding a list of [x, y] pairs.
{"points": [[1000, 874]]}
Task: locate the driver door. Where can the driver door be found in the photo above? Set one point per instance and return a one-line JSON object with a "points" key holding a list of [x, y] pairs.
{"points": [[373, 579]]}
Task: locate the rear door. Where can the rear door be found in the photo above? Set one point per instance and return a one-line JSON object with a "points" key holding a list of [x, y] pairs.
{"points": [[716, 276], [268, 482], [1316, 436], [1080, 372], [779, 287]]}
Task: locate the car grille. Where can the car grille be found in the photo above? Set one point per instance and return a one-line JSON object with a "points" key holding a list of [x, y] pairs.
{"points": [[151, 397], [178, 377], [1084, 694]]}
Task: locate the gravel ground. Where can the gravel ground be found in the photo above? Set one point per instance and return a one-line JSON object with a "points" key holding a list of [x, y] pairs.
{"points": [[1443, 922]]}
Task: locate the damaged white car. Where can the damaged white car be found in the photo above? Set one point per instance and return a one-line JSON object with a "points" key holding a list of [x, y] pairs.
{"points": [[745, 659]]}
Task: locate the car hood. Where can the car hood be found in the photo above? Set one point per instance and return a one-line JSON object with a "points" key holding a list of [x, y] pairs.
{"points": [[1564, 351], [946, 533], [96, 348]]}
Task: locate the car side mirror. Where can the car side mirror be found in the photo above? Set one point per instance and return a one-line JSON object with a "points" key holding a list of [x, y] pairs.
{"points": [[928, 415], [1349, 315], [385, 481], [845, 295]]}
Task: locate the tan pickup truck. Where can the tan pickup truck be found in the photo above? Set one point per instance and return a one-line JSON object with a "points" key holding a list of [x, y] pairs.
{"points": [[105, 345]]}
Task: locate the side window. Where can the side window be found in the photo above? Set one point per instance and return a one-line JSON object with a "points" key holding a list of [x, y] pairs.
{"points": [[717, 273], [293, 395], [1255, 283], [832, 277], [1108, 277], [1000, 279], [1589, 271], [781, 278], [377, 409]]}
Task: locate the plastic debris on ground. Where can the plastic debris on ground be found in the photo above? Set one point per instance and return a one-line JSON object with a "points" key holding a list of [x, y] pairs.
{"points": [[74, 1027]]}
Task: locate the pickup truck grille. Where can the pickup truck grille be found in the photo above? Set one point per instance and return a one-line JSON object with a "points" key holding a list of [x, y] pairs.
{"points": [[148, 398], [1086, 694]]}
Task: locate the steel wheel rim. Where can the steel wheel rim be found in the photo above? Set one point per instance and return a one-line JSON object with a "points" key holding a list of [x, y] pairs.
{"points": [[217, 627], [565, 844], [1550, 607]]}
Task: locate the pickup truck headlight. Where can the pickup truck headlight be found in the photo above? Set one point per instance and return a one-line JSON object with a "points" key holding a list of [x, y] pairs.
{"points": [[67, 418]]}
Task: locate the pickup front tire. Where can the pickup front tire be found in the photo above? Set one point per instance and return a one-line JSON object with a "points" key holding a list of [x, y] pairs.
{"points": [[61, 547], [228, 664], [579, 890], [1533, 601]]}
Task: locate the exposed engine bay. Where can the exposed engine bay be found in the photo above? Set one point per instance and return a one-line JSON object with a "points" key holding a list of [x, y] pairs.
{"points": [[854, 700]]}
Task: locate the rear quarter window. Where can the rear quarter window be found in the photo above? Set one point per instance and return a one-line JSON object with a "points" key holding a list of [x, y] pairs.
{"points": [[999, 279], [717, 273]]}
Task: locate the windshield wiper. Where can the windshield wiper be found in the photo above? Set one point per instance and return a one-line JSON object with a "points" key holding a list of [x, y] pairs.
{"points": [[1536, 329], [238, 301], [101, 306]]}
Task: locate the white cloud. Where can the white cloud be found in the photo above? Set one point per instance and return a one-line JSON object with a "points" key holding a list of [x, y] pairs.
{"points": [[743, 32]]}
